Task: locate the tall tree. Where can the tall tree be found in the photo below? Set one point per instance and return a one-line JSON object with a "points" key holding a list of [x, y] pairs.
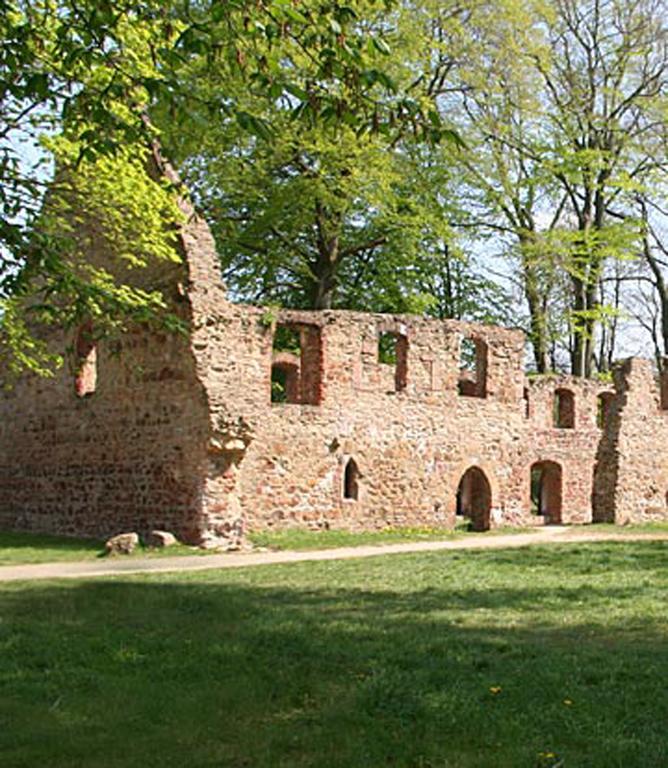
{"points": [[97, 70], [325, 214], [652, 309], [563, 103]]}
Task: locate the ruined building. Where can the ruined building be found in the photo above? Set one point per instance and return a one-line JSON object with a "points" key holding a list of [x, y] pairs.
{"points": [[321, 419]]}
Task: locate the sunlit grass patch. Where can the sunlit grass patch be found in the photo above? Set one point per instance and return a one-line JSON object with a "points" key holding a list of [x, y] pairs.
{"points": [[302, 539]]}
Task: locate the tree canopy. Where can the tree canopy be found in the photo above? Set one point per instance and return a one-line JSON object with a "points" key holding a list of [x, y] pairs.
{"points": [[497, 161]]}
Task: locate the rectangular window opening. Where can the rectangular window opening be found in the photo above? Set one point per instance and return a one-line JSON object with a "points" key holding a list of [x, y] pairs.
{"points": [[663, 388], [472, 367], [296, 366], [564, 409], [393, 350], [603, 409]]}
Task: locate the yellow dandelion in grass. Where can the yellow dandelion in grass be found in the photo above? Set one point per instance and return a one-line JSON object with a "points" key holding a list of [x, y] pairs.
{"points": [[495, 689], [568, 702], [549, 760]]}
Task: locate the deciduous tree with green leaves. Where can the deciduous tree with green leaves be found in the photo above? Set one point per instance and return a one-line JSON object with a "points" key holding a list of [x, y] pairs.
{"points": [[331, 213], [562, 104], [97, 70]]}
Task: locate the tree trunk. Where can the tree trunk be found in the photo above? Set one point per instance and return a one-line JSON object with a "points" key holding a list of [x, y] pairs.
{"points": [[586, 303], [664, 319], [537, 304], [537, 324], [322, 283], [578, 353], [661, 289], [322, 289]]}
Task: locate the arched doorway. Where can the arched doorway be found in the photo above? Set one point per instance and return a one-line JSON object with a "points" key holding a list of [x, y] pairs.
{"points": [[474, 498], [546, 491]]}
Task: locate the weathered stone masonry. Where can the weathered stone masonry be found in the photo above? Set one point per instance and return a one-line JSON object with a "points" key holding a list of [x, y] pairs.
{"points": [[179, 432]]}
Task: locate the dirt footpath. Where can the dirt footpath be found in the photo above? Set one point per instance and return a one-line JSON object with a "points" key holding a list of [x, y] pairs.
{"points": [[118, 566]]}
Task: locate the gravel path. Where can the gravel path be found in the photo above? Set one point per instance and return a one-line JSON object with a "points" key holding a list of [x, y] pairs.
{"points": [[118, 566]]}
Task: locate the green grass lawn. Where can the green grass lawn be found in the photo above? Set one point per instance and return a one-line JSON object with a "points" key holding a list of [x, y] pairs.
{"points": [[658, 527], [300, 539], [18, 548], [40, 548], [449, 659]]}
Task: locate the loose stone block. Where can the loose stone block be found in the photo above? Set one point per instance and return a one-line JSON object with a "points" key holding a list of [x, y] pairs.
{"points": [[122, 544], [160, 539]]}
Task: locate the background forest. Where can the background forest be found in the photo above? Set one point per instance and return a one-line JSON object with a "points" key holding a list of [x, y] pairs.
{"points": [[496, 161]]}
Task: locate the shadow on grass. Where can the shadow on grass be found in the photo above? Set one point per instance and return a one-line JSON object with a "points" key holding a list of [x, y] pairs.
{"points": [[18, 539], [486, 659]]}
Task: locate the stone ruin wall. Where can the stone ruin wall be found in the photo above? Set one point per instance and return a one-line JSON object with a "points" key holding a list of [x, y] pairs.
{"points": [[127, 449], [180, 432], [411, 441], [632, 471], [128, 457], [572, 448]]}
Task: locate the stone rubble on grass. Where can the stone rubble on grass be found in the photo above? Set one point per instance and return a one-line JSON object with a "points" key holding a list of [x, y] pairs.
{"points": [[160, 539], [224, 544], [122, 544], [226, 536]]}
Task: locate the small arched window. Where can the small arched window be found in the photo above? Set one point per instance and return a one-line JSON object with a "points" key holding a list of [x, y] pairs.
{"points": [[351, 476], [564, 409]]}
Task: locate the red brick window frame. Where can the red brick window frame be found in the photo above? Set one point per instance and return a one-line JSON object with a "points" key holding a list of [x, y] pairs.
{"points": [[297, 364], [285, 378]]}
